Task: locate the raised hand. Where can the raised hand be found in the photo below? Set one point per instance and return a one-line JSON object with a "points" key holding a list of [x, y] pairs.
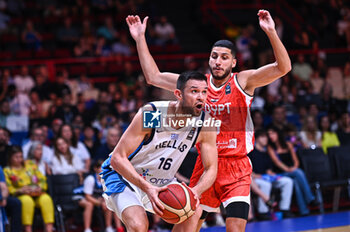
{"points": [[265, 20], [136, 27]]}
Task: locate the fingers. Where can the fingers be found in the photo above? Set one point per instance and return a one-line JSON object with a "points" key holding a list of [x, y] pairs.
{"points": [[133, 19], [263, 13], [145, 20], [158, 207]]}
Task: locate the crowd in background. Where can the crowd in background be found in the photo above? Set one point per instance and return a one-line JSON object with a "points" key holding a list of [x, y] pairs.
{"points": [[74, 124]]}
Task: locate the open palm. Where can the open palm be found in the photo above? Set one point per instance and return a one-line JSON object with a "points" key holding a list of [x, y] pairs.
{"points": [[136, 27]]}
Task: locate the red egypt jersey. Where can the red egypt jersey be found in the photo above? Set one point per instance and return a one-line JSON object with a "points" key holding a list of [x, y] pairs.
{"points": [[231, 105]]}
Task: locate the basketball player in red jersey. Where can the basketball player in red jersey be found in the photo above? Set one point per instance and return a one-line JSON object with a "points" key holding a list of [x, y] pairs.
{"points": [[229, 98]]}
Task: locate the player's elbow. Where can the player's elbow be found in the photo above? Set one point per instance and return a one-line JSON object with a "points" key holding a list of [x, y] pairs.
{"points": [[285, 67], [116, 161]]}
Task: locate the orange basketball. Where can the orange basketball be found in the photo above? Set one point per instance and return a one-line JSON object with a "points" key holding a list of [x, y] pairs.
{"points": [[179, 203]]}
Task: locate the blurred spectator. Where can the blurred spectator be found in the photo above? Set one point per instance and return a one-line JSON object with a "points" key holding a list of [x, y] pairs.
{"points": [[128, 77], [343, 131], [76, 147], [4, 146], [302, 40], [317, 82], [92, 190], [30, 37], [329, 138], [67, 35], [336, 81], [37, 135], [91, 140], [310, 136], [101, 48], [164, 32], [286, 163], [56, 124], [265, 178], [344, 26], [6, 80], [61, 88], [123, 46], [4, 19], [346, 74], [66, 111], [258, 120], [19, 102], [35, 154], [5, 111], [26, 182], [286, 99], [302, 70], [113, 136], [64, 162], [108, 30], [245, 43], [36, 110], [42, 85], [279, 118], [23, 81], [12, 206]]}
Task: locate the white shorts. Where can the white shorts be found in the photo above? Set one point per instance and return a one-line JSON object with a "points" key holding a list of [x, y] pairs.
{"points": [[118, 202]]}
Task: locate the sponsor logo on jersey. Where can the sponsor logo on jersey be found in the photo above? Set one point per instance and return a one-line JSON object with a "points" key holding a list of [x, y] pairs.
{"points": [[214, 100], [228, 89], [160, 181], [151, 119], [145, 173]]}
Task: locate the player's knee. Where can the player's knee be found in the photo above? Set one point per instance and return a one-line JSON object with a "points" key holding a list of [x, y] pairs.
{"points": [[137, 225], [237, 210]]}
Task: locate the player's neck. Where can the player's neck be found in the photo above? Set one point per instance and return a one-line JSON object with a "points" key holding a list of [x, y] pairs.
{"points": [[218, 83]]}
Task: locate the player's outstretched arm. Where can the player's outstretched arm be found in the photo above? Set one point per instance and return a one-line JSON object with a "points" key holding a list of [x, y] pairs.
{"points": [[149, 67], [251, 79], [128, 143], [209, 155]]}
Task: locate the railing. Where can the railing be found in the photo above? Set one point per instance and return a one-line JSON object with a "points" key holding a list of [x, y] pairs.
{"points": [[173, 62]]}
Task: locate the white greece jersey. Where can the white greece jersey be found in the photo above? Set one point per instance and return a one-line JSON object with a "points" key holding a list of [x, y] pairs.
{"points": [[158, 158]]}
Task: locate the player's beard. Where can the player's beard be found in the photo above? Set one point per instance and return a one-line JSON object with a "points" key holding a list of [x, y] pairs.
{"points": [[223, 76]]}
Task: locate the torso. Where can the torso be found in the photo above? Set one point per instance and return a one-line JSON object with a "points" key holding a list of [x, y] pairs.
{"points": [[231, 105]]}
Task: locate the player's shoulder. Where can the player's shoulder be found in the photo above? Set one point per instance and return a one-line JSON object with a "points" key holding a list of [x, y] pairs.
{"points": [[154, 105]]}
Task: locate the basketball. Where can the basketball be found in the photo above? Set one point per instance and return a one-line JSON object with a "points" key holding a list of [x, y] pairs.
{"points": [[179, 203]]}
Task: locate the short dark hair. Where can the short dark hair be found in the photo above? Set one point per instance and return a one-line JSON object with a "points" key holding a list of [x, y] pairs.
{"points": [[259, 133], [226, 44], [189, 75]]}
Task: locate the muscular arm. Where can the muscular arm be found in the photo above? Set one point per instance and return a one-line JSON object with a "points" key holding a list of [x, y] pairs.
{"points": [[251, 79], [127, 144], [209, 155], [149, 67]]}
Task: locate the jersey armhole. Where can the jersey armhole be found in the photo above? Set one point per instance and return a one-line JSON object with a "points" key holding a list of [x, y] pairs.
{"points": [[199, 129], [240, 88]]}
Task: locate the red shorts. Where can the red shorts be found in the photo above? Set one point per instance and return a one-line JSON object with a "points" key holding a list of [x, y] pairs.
{"points": [[232, 182]]}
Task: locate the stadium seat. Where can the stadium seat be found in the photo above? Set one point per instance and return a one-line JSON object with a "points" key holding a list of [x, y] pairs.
{"points": [[42, 54], [62, 53], [77, 70], [21, 55], [61, 190], [96, 69], [318, 169]]}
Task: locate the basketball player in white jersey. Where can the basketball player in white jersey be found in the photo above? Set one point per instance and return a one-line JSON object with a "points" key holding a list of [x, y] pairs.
{"points": [[147, 159]]}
